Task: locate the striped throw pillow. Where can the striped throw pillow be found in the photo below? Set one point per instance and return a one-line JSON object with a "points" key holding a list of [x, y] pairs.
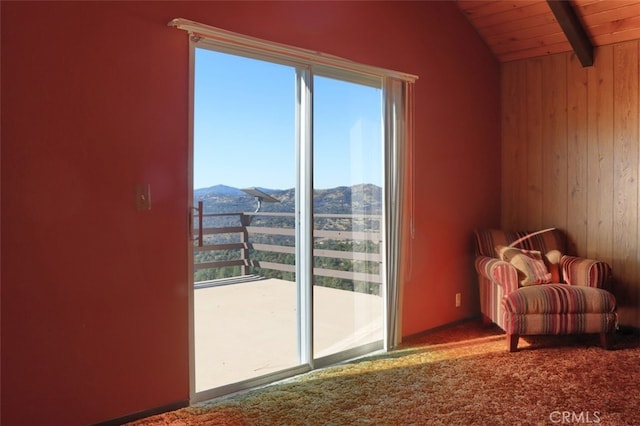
{"points": [[531, 271], [531, 268]]}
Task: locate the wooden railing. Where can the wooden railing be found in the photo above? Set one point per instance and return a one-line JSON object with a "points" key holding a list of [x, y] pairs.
{"points": [[246, 234]]}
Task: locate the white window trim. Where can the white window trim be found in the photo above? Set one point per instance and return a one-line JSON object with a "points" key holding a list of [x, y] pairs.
{"points": [[282, 52]]}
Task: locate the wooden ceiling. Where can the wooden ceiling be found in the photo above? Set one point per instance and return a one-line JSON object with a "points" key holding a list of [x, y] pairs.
{"points": [[520, 29]]}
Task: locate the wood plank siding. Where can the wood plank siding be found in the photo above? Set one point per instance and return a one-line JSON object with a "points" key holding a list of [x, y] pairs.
{"points": [[571, 155], [516, 30]]}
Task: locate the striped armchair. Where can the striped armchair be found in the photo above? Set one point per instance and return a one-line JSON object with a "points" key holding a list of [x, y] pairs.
{"points": [[566, 295]]}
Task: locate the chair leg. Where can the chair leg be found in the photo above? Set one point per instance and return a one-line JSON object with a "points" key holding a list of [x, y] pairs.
{"points": [[512, 342], [604, 340]]}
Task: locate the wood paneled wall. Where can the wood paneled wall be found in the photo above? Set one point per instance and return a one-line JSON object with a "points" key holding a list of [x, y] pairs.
{"points": [[571, 155]]}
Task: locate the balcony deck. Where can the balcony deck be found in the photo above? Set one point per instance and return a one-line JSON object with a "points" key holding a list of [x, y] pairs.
{"points": [[247, 327]]}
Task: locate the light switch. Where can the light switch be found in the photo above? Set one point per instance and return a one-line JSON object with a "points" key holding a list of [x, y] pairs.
{"points": [[143, 196]]}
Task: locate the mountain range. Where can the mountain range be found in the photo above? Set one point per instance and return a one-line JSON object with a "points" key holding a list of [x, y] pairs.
{"points": [[356, 199]]}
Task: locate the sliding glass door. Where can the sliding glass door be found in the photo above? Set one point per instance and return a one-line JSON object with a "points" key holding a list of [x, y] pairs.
{"points": [[244, 174], [348, 175], [289, 188]]}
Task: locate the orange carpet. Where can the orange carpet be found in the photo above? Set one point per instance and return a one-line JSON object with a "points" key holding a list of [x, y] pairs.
{"points": [[461, 375]]}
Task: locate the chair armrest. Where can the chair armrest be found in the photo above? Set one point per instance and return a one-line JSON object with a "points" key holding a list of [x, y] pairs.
{"points": [[585, 272], [498, 272]]}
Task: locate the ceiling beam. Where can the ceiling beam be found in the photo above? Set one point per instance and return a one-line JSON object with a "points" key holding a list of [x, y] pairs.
{"points": [[570, 24]]}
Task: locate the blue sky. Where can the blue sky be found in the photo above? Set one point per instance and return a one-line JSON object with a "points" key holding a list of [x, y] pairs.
{"points": [[244, 128]]}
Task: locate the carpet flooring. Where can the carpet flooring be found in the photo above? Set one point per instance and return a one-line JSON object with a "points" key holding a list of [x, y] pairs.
{"points": [[461, 375]]}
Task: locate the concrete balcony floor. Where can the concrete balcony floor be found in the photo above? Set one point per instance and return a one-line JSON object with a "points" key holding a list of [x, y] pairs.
{"points": [[248, 328]]}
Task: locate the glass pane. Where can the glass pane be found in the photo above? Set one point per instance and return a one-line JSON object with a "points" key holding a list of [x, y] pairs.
{"points": [[244, 281], [348, 165]]}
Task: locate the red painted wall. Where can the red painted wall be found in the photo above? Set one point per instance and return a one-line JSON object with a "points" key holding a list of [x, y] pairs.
{"points": [[94, 101]]}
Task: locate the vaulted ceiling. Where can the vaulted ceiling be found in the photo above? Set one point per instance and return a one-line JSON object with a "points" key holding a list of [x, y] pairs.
{"points": [[520, 29]]}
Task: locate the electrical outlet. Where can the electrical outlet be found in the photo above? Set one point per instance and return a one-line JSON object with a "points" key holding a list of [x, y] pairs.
{"points": [[458, 300], [143, 196]]}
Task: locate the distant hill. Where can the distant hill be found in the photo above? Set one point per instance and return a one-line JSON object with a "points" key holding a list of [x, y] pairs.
{"points": [[357, 199], [217, 190]]}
